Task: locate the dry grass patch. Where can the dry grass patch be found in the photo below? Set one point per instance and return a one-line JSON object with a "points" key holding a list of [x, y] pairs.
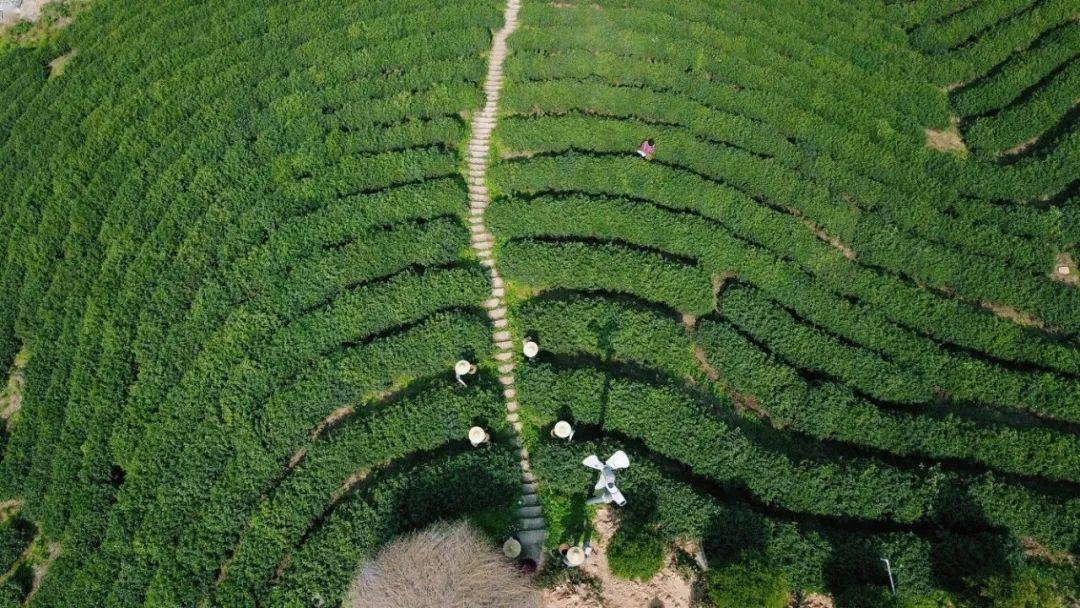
{"points": [[444, 566], [56, 66], [1065, 270], [948, 140], [11, 396]]}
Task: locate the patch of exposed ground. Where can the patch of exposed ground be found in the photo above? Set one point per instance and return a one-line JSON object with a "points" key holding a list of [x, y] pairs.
{"points": [[41, 569], [1059, 558], [56, 66], [948, 140], [1019, 317], [744, 404], [9, 508], [43, 17], [1065, 270], [511, 154], [837, 244], [1011, 314], [814, 600], [1020, 147], [572, 5], [11, 396], [667, 589], [822, 235]]}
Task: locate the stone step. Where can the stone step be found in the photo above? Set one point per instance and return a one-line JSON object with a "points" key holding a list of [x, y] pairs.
{"points": [[531, 523], [498, 292], [506, 368], [530, 512], [528, 488], [528, 478], [504, 356], [510, 393], [496, 282], [517, 441], [529, 500], [512, 417], [524, 453], [517, 427], [502, 335], [532, 538], [506, 380], [492, 303], [497, 313], [504, 345], [511, 406], [477, 227], [488, 263], [497, 323]]}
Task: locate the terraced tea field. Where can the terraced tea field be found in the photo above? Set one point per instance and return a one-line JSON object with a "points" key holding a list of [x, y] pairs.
{"points": [[833, 320]]}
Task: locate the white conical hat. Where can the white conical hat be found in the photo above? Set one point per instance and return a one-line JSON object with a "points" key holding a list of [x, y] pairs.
{"points": [[477, 435], [530, 348], [563, 429], [512, 548], [575, 556], [462, 367]]}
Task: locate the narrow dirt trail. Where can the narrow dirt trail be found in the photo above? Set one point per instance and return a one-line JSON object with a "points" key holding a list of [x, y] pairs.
{"points": [[531, 527]]}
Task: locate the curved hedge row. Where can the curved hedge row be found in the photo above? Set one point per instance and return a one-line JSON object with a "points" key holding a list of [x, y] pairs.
{"points": [[249, 217]]}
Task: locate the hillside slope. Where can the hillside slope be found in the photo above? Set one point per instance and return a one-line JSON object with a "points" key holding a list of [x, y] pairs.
{"points": [[834, 319]]}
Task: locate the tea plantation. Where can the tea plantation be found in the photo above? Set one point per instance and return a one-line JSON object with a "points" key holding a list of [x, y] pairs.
{"points": [[833, 320]]}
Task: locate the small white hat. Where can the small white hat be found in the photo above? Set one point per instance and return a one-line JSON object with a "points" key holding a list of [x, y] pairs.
{"points": [[477, 435], [530, 348], [462, 367], [563, 430], [512, 548], [575, 556]]}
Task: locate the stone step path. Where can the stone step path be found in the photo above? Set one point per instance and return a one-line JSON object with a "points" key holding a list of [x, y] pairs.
{"points": [[532, 530]]}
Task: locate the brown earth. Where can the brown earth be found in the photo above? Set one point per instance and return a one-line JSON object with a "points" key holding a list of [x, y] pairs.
{"points": [[948, 140], [667, 589], [1064, 260]]}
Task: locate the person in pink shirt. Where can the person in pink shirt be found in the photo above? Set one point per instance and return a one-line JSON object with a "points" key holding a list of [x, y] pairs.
{"points": [[646, 149]]}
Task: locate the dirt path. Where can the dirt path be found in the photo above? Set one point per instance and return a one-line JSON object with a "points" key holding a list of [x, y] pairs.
{"points": [[666, 589], [531, 527]]}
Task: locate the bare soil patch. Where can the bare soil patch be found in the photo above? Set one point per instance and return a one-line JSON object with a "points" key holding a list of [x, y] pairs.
{"points": [[948, 140], [667, 589], [41, 569], [9, 508], [1011, 314], [1065, 269], [1020, 147], [1059, 558], [814, 600], [11, 396], [56, 66]]}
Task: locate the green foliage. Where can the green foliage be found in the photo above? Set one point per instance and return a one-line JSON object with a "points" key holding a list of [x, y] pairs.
{"points": [[747, 583], [635, 555], [16, 534], [233, 237], [1025, 589]]}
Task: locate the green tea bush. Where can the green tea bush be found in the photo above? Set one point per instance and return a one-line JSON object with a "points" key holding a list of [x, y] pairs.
{"points": [[749, 583], [635, 554]]}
